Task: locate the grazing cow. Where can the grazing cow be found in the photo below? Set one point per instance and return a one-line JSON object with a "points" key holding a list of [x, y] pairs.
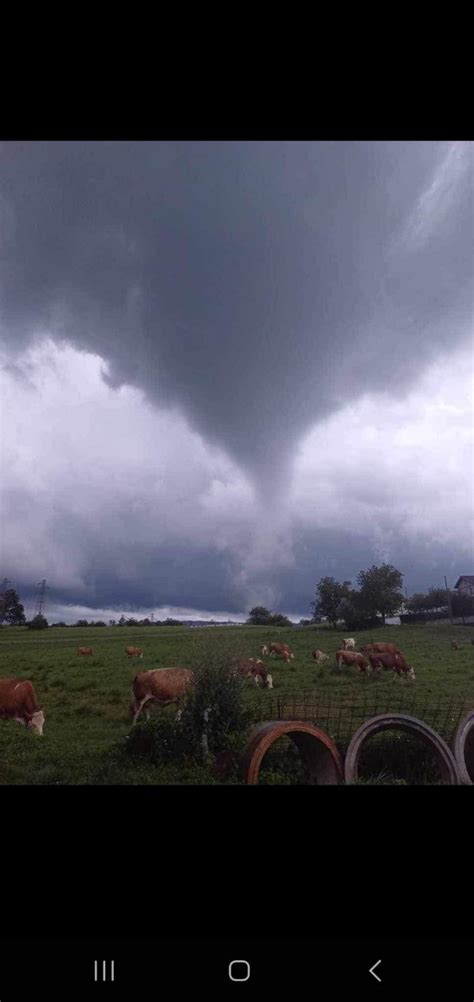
{"points": [[134, 652], [350, 658], [279, 650], [85, 650], [394, 662], [253, 668], [349, 644], [386, 661], [319, 656], [18, 701], [381, 648], [265, 651], [159, 685], [455, 645]]}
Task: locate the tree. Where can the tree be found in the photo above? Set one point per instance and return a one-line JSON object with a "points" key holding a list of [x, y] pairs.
{"points": [[11, 609], [82, 622], [418, 602], [122, 621], [38, 623], [259, 616], [462, 605], [355, 614], [58, 624], [278, 619], [132, 622], [437, 598], [112, 622], [330, 595], [380, 590]]}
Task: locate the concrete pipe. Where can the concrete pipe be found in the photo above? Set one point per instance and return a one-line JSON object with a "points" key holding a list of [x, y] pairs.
{"points": [[464, 749], [401, 722], [317, 750]]}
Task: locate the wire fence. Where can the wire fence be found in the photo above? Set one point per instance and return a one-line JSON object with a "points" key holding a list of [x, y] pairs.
{"points": [[340, 716]]}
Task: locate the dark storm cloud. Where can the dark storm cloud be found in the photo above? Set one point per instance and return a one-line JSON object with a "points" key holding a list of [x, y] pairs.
{"points": [[164, 576], [194, 578], [342, 555], [255, 286]]}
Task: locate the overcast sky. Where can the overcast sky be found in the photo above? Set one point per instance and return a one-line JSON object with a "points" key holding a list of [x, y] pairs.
{"points": [[229, 369]]}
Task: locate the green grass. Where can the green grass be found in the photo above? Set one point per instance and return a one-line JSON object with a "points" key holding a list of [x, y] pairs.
{"points": [[86, 699]]}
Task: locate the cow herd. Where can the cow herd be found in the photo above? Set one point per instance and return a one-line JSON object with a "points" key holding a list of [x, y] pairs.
{"points": [[373, 657], [167, 685]]}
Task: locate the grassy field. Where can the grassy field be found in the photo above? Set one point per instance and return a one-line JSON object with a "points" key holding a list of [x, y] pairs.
{"points": [[86, 699]]}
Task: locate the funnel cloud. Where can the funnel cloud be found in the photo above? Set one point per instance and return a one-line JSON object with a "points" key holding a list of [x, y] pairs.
{"points": [[205, 333]]}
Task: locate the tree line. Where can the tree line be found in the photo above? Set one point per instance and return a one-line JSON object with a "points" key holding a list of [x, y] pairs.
{"points": [[12, 613], [378, 596]]}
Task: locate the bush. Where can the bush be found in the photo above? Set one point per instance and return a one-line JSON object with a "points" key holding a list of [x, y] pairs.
{"points": [[217, 693], [38, 623], [278, 619], [160, 740]]}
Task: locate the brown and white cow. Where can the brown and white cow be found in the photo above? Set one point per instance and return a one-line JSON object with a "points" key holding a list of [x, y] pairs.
{"points": [[18, 701], [265, 651], [253, 668], [350, 658], [455, 645], [281, 651], [392, 662], [381, 648], [134, 652], [85, 650], [349, 644], [159, 685], [319, 656], [386, 661]]}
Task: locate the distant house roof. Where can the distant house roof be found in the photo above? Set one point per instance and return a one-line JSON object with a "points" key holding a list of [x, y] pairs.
{"points": [[466, 578]]}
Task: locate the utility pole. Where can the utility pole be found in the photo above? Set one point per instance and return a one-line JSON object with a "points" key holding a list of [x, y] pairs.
{"points": [[449, 600]]}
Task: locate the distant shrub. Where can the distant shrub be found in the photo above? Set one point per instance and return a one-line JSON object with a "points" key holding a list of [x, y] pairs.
{"points": [[38, 623], [279, 620], [260, 616]]}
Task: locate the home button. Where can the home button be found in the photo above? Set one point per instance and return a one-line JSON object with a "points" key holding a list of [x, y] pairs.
{"points": [[239, 970]]}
